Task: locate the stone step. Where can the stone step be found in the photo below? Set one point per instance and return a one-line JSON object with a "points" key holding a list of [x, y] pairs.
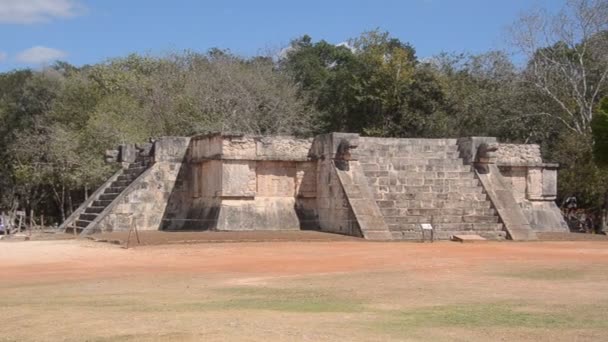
{"points": [[404, 157], [134, 172], [115, 189], [461, 227], [87, 216], [425, 160], [441, 211], [94, 210], [400, 162], [435, 203], [108, 197], [385, 150], [466, 182], [431, 196], [125, 178], [404, 175], [404, 189], [101, 203], [389, 181], [437, 218], [405, 141], [137, 164], [82, 223], [430, 168], [120, 184]]}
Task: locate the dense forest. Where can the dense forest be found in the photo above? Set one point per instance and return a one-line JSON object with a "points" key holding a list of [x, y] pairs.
{"points": [[55, 123]]}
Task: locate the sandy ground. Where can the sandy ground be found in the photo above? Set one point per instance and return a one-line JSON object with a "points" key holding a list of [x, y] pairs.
{"points": [[304, 291]]}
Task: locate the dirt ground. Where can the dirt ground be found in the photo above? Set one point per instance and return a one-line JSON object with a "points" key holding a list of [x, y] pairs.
{"points": [[149, 238], [348, 290]]}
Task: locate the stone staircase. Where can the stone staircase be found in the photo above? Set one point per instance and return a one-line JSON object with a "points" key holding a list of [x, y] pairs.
{"points": [[105, 198], [418, 181]]}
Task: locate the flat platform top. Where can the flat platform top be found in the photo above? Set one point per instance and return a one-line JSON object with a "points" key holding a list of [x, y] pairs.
{"points": [[468, 238]]}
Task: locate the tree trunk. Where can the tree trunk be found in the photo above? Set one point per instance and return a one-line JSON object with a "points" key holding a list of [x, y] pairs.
{"points": [[62, 203], [605, 213], [70, 204]]}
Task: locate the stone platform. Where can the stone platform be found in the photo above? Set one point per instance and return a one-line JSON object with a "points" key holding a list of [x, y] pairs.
{"points": [[373, 188]]}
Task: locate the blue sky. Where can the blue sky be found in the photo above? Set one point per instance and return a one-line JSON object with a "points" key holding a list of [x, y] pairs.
{"points": [[35, 32]]}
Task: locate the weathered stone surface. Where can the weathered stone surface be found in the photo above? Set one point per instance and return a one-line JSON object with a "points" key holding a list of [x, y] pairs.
{"points": [[236, 177], [282, 148], [143, 203], [468, 147], [128, 153], [505, 204], [549, 191], [377, 188], [171, 149], [518, 154], [111, 156], [544, 216]]}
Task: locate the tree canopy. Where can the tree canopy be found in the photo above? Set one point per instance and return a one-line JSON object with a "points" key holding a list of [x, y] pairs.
{"points": [[56, 122]]}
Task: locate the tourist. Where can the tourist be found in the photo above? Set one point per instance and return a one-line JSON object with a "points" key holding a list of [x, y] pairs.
{"points": [[3, 230], [570, 204]]}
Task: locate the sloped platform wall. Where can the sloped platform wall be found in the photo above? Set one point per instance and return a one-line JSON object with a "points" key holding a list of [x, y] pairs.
{"points": [[142, 203], [532, 183]]}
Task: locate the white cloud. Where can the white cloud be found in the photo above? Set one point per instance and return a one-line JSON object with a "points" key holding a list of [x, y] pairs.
{"points": [[3, 56], [36, 11], [40, 55], [348, 46]]}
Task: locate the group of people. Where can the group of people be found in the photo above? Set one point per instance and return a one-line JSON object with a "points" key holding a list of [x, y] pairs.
{"points": [[581, 220]]}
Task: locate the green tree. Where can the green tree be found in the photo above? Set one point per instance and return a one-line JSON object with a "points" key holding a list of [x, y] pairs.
{"points": [[599, 126]]}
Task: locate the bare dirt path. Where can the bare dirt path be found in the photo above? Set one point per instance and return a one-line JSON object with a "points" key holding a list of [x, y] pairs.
{"points": [[294, 291]]}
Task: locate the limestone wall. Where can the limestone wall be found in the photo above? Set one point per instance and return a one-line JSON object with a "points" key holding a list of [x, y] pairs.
{"points": [[142, 204], [335, 214], [518, 154], [248, 147], [468, 147], [334, 211], [531, 182], [242, 182], [247, 182]]}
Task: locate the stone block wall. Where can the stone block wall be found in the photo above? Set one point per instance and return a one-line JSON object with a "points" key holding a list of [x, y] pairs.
{"points": [[142, 204], [518, 154], [532, 183], [243, 182], [246, 182], [335, 213]]}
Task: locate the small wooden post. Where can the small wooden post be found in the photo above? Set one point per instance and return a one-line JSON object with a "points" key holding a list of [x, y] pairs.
{"points": [[136, 232], [133, 227]]}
